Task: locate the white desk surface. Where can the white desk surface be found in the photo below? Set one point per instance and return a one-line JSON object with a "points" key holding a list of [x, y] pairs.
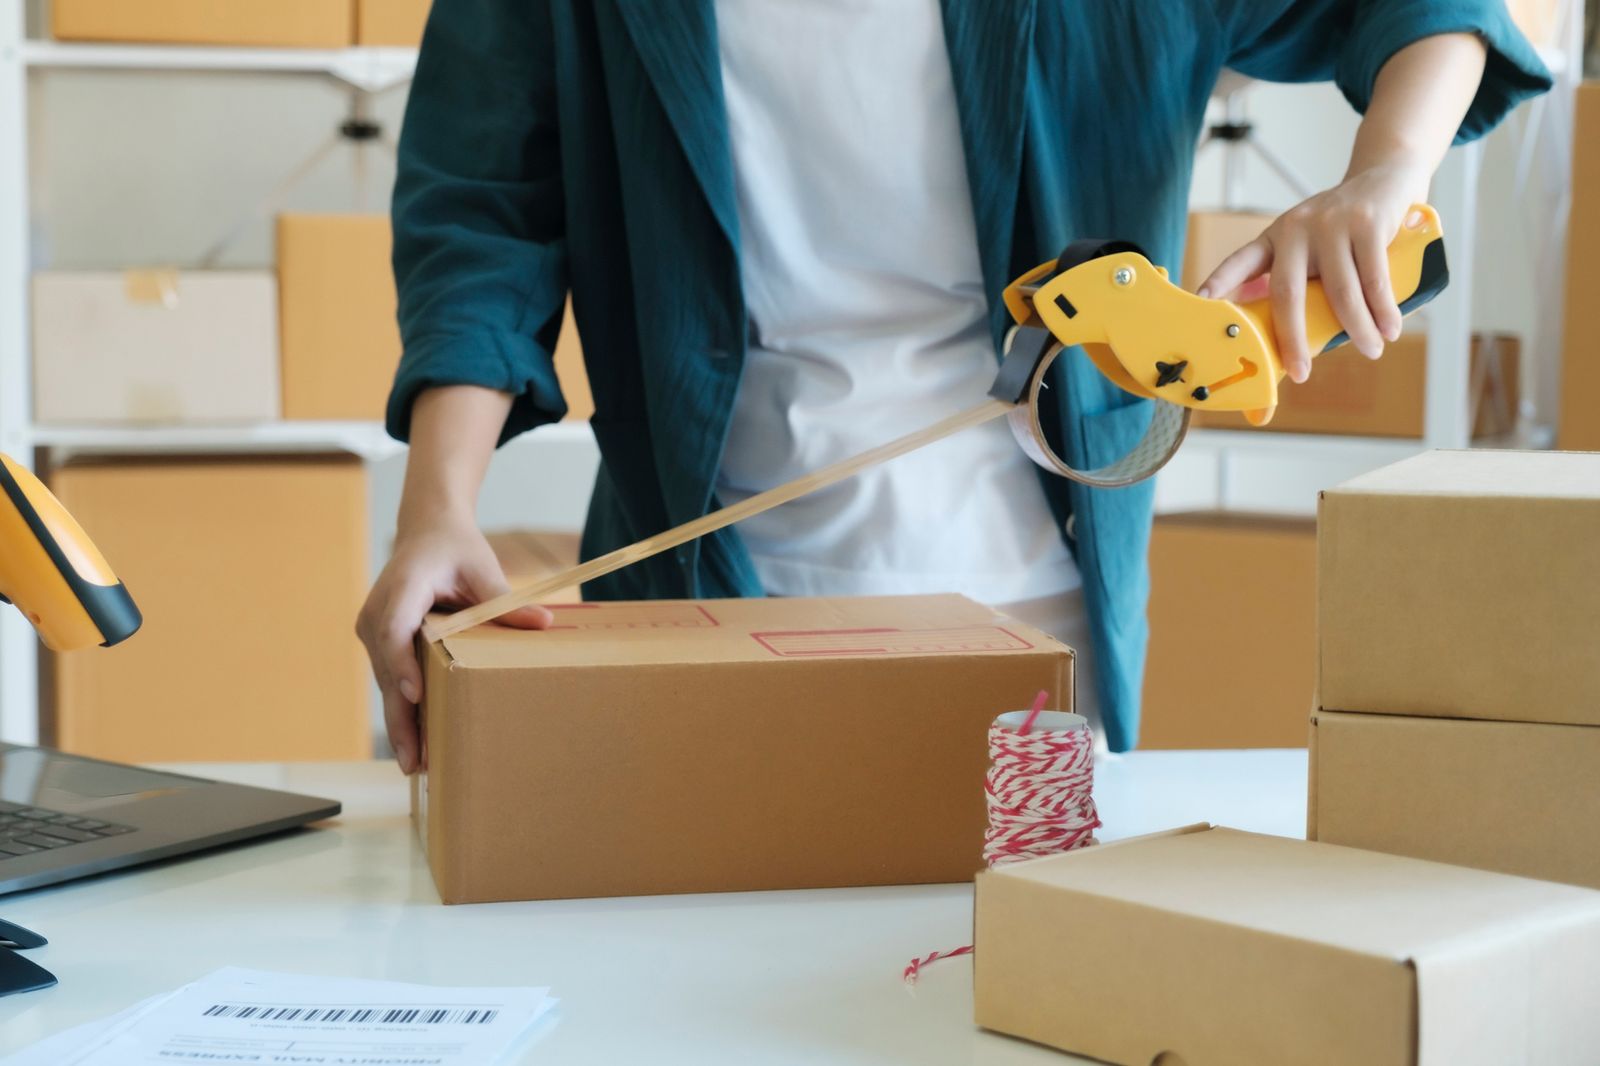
{"points": [[775, 977]]}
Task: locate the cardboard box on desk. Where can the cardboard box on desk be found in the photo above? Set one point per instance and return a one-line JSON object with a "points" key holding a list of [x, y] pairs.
{"points": [[1463, 585], [1518, 797], [719, 745], [1220, 584], [155, 346], [394, 23], [1210, 947], [249, 572], [281, 23]]}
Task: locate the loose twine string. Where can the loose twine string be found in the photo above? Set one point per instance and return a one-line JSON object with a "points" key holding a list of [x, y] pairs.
{"points": [[1040, 795]]}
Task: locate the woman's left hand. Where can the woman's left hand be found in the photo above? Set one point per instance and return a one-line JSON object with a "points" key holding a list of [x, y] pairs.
{"points": [[1341, 236]]}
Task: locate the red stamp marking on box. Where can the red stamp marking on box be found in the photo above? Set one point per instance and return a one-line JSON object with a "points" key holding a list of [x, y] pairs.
{"points": [[811, 642], [631, 616]]}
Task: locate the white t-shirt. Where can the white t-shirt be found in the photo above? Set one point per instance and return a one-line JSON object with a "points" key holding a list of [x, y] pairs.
{"points": [[868, 317]]}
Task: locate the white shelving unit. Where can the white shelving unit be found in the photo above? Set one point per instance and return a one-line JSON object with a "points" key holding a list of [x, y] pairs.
{"points": [[368, 69]]}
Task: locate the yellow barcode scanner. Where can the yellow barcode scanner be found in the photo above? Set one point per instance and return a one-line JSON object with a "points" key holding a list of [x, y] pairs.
{"points": [[51, 571]]}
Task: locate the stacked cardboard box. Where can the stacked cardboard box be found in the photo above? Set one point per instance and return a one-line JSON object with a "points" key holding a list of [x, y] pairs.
{"points": [[724, 745], [261, 23], [1220, 583], [1459, 685], [249, 573], [1351, 395]]}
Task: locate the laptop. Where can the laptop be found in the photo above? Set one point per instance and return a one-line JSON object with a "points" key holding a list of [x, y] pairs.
{"points": [[66, 816]]}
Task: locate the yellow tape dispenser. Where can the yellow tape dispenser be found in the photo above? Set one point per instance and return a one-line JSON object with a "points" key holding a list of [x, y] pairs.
{"points": [[52, 572], [1155, 340]]}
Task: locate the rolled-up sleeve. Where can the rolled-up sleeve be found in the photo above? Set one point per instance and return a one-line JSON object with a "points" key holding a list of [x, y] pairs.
{"points": [[1349, 41], [479, 245], [1513, 73]]}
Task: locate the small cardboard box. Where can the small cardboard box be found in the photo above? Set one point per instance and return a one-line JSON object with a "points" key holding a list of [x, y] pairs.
{"points": [[1517, 797], [1463, 585], [285, 23], [1352, 395], [719, 745], [155, 346], [1579, 429], [249, 573], [396, 23], [1218, 581], [1210, 947], [341, 343]]}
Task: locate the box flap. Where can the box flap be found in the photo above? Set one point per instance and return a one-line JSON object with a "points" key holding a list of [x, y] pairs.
{"points": [[1375, 904], [1484, 472], [748, 630]]}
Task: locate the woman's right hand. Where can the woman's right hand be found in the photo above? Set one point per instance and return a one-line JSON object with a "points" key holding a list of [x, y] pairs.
{"points": [[448, 563]]}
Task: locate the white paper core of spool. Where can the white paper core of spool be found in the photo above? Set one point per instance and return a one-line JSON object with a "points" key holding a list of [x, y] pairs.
{"points": [[1047, 722]]}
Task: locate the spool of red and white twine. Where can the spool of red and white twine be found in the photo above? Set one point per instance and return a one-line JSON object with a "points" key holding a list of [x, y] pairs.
{"points": [[1039, 791]]}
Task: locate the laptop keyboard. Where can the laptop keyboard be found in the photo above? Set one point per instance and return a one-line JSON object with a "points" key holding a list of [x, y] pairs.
{"points": [[25, 830]]}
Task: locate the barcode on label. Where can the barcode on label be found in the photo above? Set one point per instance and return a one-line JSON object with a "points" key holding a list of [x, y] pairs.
{"points": [[355, 1015]]}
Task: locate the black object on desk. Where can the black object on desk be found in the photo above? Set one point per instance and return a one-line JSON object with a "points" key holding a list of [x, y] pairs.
{"points": [[18, 974]]}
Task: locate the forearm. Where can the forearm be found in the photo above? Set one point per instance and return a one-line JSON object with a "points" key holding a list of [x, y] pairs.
{"points": [[454, 430], [1418, 101]]}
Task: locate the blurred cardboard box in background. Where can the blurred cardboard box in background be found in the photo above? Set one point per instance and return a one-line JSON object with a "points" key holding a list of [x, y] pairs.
{"points": [[1579, 429], [1233, 612], [284, 23], [249, 572], [1351, 395], [394, 23], [155, 346]]}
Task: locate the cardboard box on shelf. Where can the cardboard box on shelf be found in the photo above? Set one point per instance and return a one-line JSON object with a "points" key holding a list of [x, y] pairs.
{"points": [[394, 23], [719, 745], [249, 573], [1579, 428], [1517, 797], [341, 343], [1233, 612], [154, 346], [1352, 395], [1210, 947], [1462, 585], [283, 23], [527, 555], [1213, 236]]}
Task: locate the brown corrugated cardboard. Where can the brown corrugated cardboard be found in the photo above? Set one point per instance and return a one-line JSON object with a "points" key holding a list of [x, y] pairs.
{"points": [[287, 23], [1463, 585], [1215, 235], [526, 555], [1352, 395], [1210, 947], [1517, 797], [341, 343], [1218, 582], [249, 573], [155, 346], [571, 373], [397, 23], [1580, 347], [719, 745]]}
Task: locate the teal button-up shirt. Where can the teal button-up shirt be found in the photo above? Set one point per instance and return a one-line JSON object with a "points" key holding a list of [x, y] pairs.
{"points": [[582, 145]]}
